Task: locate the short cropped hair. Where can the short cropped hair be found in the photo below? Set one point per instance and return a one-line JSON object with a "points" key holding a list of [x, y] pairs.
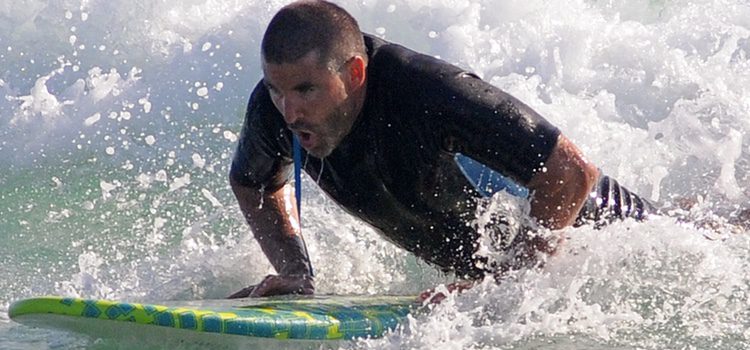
{"points": [[304, 26]]}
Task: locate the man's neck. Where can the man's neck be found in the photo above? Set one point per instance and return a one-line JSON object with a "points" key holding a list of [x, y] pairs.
{"points": [[358, 102]]}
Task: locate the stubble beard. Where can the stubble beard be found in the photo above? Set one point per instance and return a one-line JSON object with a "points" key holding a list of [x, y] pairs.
{"points": [[338, 126]]}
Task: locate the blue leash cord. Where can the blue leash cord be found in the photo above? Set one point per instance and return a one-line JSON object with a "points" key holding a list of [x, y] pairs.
{"points": [[297, 156]]}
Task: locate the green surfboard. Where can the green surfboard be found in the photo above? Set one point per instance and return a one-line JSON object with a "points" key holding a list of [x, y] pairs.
{"points": [[299, 318]]}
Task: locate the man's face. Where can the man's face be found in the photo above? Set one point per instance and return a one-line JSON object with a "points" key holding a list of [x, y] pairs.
{"points": [[314, 101]]}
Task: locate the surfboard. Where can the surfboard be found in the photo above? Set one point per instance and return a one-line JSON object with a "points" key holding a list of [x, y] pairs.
{"points": [[296, 318]]}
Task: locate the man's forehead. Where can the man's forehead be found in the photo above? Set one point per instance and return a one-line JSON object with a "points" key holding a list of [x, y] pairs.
{"points": [[310, 59], [306, 69]]}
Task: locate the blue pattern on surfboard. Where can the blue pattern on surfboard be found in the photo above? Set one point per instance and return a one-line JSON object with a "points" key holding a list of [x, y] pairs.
{"points": [[311, 319]]}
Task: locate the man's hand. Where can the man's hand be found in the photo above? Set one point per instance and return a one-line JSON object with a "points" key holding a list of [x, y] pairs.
{"points": [[278, 285], [433, 296], [272, 215]]}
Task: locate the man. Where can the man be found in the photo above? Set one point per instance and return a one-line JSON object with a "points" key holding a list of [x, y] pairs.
{"points": [[382, 127]]}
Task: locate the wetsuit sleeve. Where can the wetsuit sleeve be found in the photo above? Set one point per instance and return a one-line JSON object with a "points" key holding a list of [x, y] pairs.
{"points": [[263, 155], [477, 119], [610, 201]]}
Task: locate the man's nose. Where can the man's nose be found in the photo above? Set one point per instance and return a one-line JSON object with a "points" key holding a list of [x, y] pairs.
{"points": [[292, 110]]}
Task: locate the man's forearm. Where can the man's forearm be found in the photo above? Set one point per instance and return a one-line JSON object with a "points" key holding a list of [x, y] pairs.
{"points": [[562, 187], [272, 216]]}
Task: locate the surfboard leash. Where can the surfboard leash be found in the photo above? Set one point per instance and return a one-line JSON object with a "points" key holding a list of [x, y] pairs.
{"points": [[297, 156]]}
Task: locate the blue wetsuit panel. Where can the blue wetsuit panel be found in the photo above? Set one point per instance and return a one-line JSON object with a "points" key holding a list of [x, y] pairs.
{"points": [[487, 181]]}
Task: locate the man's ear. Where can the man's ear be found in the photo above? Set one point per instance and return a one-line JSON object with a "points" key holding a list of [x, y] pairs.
{"points": [[357, 71]]}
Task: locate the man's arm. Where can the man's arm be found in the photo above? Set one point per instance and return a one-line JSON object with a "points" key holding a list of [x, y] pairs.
{"points": [[272, 216], [562, 186]]}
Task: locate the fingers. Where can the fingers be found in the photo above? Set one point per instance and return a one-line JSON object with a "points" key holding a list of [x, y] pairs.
{"points": [[434, 296], [243, 293], [273, 285], [283, 285], [431, 297]]}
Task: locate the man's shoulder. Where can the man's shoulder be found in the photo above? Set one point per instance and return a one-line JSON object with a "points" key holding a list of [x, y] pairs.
{"points": [[383, 52], [390, 57], [387, 54]]}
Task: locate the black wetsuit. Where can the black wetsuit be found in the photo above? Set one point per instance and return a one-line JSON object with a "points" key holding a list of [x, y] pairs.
{"points": [[396, 169]]}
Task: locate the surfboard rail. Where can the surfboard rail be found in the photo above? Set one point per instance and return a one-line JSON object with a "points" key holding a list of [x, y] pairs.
{"points": [[316, 318]]}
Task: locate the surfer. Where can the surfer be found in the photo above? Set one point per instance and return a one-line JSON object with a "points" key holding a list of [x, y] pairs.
{"points": [[388, 134]]}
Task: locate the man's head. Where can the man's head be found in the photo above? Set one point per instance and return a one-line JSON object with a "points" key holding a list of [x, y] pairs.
{"points": [[314, 63]]}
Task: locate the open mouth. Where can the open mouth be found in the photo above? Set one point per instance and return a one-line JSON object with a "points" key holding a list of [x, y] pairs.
{"points": [[304, 136]]}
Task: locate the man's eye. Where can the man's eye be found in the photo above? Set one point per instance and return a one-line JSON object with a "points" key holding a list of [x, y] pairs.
{"points": [[306, 88]]}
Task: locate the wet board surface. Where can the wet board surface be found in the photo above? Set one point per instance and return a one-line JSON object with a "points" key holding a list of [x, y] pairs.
{"points": [[317, 318]]}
